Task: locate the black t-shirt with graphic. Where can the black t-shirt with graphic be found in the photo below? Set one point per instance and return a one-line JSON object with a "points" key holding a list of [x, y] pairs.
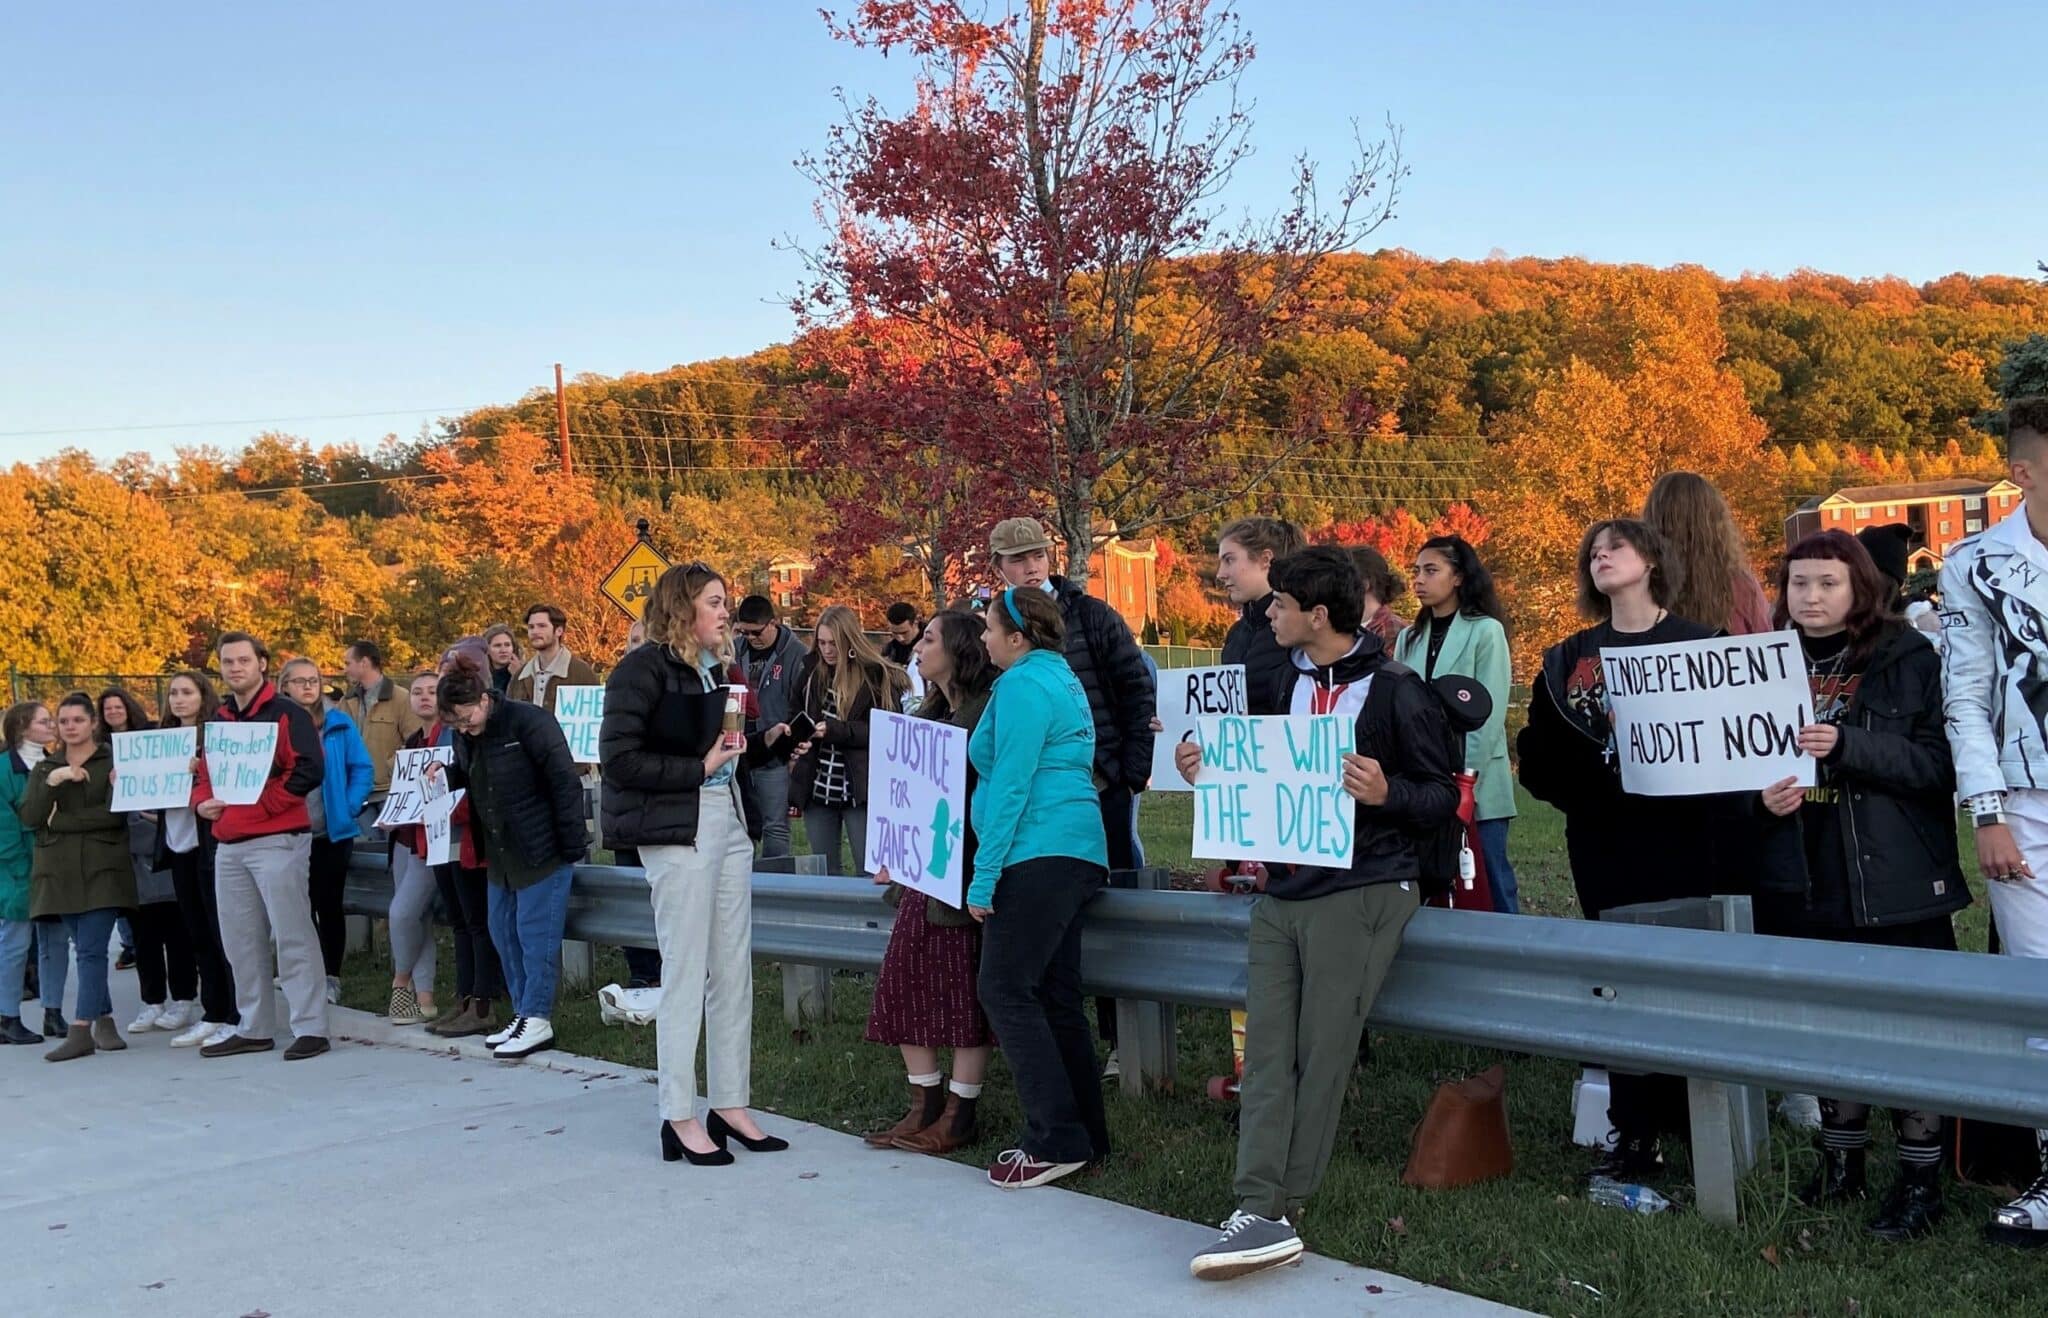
{"points": [[1834, 678]]}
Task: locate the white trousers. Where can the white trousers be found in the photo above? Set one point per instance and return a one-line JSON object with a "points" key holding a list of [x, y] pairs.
{"points": [[2021, 907], [704, 919]]}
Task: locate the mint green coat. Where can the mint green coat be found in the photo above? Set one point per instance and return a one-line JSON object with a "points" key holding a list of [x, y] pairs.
{"points": [[1476, 648]]}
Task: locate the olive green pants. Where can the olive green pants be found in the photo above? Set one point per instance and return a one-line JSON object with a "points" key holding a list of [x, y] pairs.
{"points": [[1315, 967]]}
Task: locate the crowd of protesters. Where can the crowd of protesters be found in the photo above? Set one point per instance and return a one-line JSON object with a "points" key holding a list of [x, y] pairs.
{"points": [[720, 726]]}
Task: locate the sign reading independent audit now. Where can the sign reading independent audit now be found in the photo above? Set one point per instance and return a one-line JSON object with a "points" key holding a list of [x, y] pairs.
{"points": [[1719, 715]]}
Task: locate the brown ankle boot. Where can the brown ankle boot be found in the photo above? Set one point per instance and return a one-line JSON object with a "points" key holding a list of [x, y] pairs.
{"points": [[106, 1037], [955, 1129], [77, 1043], [926, 1102]]}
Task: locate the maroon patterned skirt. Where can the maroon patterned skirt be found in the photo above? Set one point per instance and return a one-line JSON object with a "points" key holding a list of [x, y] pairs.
{"points": [[926, 994]]}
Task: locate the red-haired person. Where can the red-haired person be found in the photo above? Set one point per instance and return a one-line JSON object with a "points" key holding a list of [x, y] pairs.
{"points": [[1878, 828]]}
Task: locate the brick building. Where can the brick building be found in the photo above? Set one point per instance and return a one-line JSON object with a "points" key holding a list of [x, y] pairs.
{"points": [[1940, 512]]}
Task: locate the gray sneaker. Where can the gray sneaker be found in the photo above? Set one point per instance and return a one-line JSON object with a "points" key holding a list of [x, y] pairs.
{"points": [[1249, 1244]]}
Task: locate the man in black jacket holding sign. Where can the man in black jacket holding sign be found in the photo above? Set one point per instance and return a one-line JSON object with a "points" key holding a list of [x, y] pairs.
{"points": [[1323, 937]]}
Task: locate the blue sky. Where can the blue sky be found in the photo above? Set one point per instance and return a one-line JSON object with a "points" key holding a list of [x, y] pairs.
{"points": [[241, 213]]}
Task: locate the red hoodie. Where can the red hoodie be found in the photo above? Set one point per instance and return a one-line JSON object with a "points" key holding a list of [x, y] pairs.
{"points": [[295, 770]]}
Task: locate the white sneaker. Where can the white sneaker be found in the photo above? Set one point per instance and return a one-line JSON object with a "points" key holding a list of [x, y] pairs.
{"points": [[176, 1017], [493, 1040], [1112, 1069], [195, 1035], [221, 1034], [535, 1035], [333, 991], [146, 1019]]}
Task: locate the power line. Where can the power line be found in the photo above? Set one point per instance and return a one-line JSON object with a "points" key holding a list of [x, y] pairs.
{"points": [[247, 421]]}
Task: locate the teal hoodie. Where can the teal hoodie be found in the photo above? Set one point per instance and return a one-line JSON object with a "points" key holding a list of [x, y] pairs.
{"points": [[1034, 751]]}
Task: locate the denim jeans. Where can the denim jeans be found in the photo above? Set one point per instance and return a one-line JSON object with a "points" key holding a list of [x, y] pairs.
{"points": [[53, 961], [526, 928], [825, 825], [769, 788], [1031, 990], [15, 936], [1500, 872], [91, 931]]}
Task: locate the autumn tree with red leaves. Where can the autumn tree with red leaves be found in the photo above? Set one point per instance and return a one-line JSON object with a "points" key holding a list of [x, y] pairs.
{"points": [[1048, 209]]}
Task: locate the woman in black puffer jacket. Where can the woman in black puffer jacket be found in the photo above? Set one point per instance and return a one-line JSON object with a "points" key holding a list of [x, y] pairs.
{"points": [[673, 785], [1879, 828]]}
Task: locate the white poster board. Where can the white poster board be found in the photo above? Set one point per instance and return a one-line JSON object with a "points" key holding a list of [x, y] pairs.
{"points": [[580, 711], [407, 796], [1719, 715], [238, 760], [1271, 787], [153, 770], [1187, 694], [917, 804], [438, 814]]}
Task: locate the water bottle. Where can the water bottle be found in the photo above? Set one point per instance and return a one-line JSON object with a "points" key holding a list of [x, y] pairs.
{"points": [[1635, 1198], [1468, 867]]}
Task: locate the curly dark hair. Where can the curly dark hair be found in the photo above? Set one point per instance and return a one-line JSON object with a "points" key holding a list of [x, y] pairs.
{"points": [[1477, 595]]}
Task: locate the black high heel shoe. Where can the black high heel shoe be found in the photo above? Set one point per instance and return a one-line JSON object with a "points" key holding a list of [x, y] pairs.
{"points": [[721, 1130], [674, 1150]]}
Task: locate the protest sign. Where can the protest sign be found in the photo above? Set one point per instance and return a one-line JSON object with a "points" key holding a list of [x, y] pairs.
{"points": [[1719, 715], [438, 816], [1271, 788], [1187, 694], [580, 711], [402, 806], [238, 760], [153, 770], [917, 804]]}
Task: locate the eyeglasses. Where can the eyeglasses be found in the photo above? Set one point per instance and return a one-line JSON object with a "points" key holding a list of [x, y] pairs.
{"points": [[302, 681], [752, 632]]}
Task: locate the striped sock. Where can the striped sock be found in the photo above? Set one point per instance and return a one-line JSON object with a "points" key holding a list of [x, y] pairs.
{"points": [[1920, 1155], [1845, 1139]]}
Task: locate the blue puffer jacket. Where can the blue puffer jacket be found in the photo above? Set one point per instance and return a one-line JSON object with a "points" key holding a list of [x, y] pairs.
{"points": [[345, 788]]}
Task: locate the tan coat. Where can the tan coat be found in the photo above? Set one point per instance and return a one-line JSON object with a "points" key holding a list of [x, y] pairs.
{"points": [[578, 673], [385, 726]]}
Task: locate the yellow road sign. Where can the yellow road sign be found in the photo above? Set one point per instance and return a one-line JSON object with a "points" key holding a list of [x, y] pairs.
{"points": [[630, 583]]}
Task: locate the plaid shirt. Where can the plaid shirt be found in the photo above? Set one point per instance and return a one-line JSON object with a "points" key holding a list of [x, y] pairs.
{"points": [[831, 787]]}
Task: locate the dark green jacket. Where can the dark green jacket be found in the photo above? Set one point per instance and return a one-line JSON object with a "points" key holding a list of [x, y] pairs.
{"points": [[81, 861]]}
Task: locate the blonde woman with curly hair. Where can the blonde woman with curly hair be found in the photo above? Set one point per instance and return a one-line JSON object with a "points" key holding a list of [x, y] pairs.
{"points": [[674, 780]]}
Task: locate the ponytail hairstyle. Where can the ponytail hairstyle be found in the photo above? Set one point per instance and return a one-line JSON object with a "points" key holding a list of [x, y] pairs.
{"points": [[1477, 595], [1032, 615], [861, 666]]}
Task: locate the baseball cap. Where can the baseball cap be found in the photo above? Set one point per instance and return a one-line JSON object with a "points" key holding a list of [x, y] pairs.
{"points": [[1018, 535]]}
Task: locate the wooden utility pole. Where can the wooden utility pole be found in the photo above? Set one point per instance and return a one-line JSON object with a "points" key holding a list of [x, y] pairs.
{"points": [[562, 422]]}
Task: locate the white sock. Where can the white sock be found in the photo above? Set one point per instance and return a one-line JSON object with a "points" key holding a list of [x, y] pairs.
{"points": [[965, 1090], [927, 1081]]}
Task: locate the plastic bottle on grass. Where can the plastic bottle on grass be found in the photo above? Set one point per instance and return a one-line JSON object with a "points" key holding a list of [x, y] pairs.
{"points": [[1635, 1198]]}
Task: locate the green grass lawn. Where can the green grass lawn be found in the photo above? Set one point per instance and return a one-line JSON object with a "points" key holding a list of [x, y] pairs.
{"points": [[1530, 1240]]}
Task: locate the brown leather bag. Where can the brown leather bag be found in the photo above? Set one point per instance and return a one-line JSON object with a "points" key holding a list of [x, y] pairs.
{"points": [[1463, 1138]]}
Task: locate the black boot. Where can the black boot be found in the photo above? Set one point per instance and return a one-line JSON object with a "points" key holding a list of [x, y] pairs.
{"points": [[13, 1031], [1633, 1159], [1914, 1205], [54, 1024], [1839, 1179]]}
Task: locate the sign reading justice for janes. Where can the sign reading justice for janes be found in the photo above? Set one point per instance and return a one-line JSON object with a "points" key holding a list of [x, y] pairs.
{"points": [[1719, 715]]}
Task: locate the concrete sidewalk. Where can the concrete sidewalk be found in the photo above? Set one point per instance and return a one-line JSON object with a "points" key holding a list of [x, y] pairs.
{"points": [[386, 1179]]}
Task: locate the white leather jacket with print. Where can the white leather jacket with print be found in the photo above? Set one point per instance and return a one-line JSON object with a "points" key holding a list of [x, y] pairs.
{"points": [[1994, 650]]}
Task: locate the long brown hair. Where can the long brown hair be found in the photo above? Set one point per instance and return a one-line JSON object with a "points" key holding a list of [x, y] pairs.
{"points": [[14, 727], [1702, 542], [861, 666], [671, 617], [209, 703]]}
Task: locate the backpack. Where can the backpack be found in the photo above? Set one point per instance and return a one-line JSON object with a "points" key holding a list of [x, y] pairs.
{"points": [[1466, 706]]}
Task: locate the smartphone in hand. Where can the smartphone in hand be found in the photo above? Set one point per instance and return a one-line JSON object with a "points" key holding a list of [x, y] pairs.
{"points": [[802, 728]]}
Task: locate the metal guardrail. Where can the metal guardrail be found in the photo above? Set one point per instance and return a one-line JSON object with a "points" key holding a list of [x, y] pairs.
{"points": [[1944, 1031]]}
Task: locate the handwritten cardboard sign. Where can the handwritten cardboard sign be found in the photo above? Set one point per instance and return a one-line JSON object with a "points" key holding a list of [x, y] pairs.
{"points": [[917, 804], [1185, 695], [580, 711], [238, 760], [408, 794], [1719, 715], [1271, 788], [153, 770]]}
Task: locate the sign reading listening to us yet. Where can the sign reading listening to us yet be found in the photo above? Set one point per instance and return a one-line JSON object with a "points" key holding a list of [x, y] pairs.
{"points": [[1719, 715]]}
